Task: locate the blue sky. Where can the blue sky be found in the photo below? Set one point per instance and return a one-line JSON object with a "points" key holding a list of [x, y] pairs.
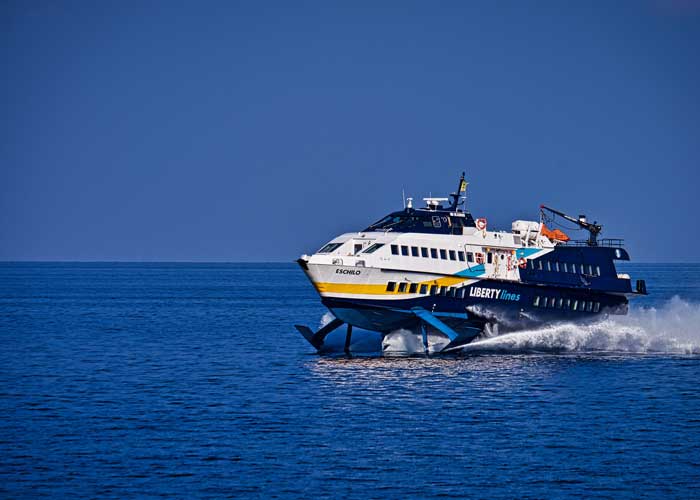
{"points": [[251, 131]]}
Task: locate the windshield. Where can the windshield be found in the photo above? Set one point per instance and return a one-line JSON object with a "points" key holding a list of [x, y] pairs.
{"points": [[329, 247]]}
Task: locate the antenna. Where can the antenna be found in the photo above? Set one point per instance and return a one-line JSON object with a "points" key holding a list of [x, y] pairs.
{"points": [[403, 197]]}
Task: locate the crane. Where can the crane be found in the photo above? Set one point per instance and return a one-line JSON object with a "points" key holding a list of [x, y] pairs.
{"points": [[593, 229]]}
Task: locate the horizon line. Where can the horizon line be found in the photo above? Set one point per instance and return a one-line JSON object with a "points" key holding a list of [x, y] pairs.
{"points": [[292, 261]]}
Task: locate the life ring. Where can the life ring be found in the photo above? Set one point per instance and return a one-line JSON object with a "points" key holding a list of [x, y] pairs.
{"points": [[481, 224], [522, 263]]}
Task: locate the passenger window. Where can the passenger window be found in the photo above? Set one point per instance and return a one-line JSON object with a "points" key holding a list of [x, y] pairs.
{"points": [[551, 302], [575, 306], [460, 256], [394, 249], [434, 289], [560, 303], [391, 286], [549, 266], [597, 270], [573, 268], [443, 254], [539, 265], [414, 251], [470, 256], [556, 266], [596, 307], [453, 255], [536, 301], [404, 250], [532, 264], [423, 252], [413, 288], [443, 290], [590, 269], [567, 304], [424, 289], [489, 257], [582, 271], [589, 306], [566, 267], [462, 292], [433, 253], [402, 287]]}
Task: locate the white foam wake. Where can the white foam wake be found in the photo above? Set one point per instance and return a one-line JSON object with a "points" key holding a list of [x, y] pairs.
{"points": [[673, 328]]}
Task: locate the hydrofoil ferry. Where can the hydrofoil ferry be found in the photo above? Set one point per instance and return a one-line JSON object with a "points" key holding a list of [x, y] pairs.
{"points": [[437, 270]]}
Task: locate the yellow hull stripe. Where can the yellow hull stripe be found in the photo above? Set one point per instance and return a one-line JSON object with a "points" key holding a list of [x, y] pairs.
{"points": [[371, 289]]}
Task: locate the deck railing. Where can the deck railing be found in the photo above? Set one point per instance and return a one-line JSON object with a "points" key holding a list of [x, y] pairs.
{"points": [[604, 242]]}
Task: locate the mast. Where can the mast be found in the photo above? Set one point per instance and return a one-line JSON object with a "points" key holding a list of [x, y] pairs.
{"points": [[462, 188]]}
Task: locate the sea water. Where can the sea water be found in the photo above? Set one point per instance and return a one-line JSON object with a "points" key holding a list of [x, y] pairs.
{"points": [[189, 380]]}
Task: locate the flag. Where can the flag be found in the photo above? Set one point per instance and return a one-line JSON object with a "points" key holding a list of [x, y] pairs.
{"points": [[463, 186]]}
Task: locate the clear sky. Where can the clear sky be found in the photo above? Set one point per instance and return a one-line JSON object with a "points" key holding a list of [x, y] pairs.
{"points": [[254, 131]]}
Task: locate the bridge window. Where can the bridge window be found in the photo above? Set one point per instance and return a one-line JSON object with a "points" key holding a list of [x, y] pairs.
{"points": [[394, 249], [424, 289], [434, 289], [413, 288], [470, 256], [391, 286], [402, 287], [460, 256], [443, 254], [404, 250], [453, 255], [414, 251], [433, 253], [374, 248], [536, 301], [329, 248], [424, 252]]}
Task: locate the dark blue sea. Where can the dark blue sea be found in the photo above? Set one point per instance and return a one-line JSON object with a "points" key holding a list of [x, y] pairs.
{"points": [[189, 381]]}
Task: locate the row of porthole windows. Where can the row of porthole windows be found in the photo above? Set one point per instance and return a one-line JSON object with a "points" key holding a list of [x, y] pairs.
{"points": [[425, 289], [564, 267], [562, 303], [436, 253]]}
